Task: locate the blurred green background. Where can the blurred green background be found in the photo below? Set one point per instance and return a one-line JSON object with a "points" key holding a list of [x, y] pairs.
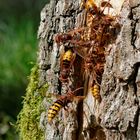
{"points": [[19, 21]]}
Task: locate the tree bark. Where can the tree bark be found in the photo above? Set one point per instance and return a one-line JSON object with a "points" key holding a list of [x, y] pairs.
{"points": [[117, 116]]}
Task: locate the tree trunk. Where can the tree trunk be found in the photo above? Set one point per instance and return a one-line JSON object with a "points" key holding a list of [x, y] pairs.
{"points": [[117, 116]]}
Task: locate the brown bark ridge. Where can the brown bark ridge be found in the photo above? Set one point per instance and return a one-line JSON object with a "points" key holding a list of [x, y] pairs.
{"points": [[117, 116]]}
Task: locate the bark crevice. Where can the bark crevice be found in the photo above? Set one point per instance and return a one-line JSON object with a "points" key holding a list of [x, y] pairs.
{"points": [[117, 116]]}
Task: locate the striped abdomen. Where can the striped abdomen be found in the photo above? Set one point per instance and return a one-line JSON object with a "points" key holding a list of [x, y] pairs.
{"points": [[68, 56], [62, 102], [66, 64], [54, 109], [96, 92]]}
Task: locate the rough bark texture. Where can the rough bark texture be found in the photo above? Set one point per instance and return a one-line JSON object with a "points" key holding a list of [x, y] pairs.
{"points": [[117, 116]]}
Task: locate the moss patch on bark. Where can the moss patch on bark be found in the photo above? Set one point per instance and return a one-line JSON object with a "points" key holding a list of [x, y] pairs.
{"points": [[29, 117]]}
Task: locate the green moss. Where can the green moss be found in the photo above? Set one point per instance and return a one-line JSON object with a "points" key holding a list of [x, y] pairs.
{"points": [[29, 117]]}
